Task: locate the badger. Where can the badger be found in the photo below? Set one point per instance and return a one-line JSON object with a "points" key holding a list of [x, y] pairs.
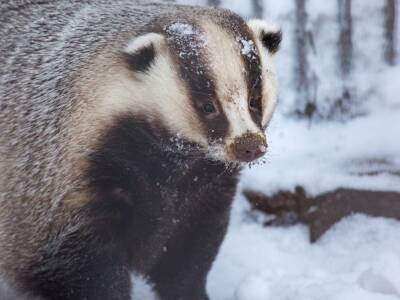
{"points": [[123, 128]]}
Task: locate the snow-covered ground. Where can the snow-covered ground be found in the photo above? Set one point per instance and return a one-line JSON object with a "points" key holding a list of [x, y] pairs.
{"points": [[358, 259]]}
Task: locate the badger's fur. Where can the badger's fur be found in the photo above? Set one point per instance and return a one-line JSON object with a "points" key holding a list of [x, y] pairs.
{"points": [[121, 125]]}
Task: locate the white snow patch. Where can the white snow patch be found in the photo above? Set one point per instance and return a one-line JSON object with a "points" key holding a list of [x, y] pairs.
{"points": [[191, 39], [358, 259], [377, 282], [142, 288], [181, 29], [248, 48]]}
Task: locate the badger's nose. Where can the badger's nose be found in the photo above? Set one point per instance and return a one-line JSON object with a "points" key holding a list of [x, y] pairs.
{"points": [[249, 147]]}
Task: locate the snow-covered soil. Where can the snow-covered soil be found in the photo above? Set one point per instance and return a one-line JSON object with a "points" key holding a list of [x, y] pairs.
{"points": [[358, 259]]}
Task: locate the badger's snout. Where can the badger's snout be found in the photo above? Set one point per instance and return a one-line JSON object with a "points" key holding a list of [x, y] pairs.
{"points": [[248, 147]]}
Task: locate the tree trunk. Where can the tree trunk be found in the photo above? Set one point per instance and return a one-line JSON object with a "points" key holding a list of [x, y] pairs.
{"points": [[321, 212], [214, 2], [345, 37], [343, 106], [258, 9], [390, 32], [305, 107]]}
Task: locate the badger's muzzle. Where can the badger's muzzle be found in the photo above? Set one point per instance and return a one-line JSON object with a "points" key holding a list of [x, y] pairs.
{"points": [[248, 147]]}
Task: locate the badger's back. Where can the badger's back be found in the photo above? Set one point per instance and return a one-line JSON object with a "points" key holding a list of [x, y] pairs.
{"points": [[48, 55]]}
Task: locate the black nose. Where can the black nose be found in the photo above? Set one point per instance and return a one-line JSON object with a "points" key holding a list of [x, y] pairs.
{"points": [[249, 147]]}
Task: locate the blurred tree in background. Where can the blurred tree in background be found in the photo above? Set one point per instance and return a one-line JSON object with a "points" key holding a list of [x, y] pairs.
{"points": [[345, 55], [214, 2], [306, 107], [390, 31], [258, 8], [345, 43]]}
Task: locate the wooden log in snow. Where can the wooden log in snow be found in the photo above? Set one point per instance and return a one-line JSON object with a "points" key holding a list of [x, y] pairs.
{"points": [[321, 212]]}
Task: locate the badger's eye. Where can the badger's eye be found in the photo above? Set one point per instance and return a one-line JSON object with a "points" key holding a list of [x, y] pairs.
{"points": [[208, 108], [255, 105]]}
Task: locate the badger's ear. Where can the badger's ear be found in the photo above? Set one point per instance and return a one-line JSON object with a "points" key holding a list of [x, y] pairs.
{"points": [[269, 34], [141, 52]]}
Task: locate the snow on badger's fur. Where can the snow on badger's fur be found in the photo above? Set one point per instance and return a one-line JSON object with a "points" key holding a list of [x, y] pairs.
{"points": [[121, 128]]}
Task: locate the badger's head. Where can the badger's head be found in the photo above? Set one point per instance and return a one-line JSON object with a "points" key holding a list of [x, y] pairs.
{"points": [[208, 81]]}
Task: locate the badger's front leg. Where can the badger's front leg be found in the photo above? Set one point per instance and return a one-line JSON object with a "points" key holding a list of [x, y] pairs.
{"points": [[79, 265], [182, 271]]}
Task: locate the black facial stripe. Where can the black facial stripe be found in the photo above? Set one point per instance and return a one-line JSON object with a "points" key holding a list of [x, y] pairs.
{"points": [[187, 43], [141, 60], [251, 61], [253, 69], [254, 84]]}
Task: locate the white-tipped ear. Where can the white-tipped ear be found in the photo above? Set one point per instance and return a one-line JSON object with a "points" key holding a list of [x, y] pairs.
{"points": [[269, 34], [141, 52], [144, 41]]}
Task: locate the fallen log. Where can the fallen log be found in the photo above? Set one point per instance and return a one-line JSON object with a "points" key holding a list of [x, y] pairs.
{"points": [[323, 211]]}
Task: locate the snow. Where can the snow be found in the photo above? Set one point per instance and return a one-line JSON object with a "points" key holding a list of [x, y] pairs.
{"points": [[185, 34], [181, 29], [358, 259], [142, 288], [248, 48]]}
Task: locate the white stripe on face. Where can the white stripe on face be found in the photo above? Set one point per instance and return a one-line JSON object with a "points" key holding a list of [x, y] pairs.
{"points": [[236, 108], [231, 86], [270, 86]]}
